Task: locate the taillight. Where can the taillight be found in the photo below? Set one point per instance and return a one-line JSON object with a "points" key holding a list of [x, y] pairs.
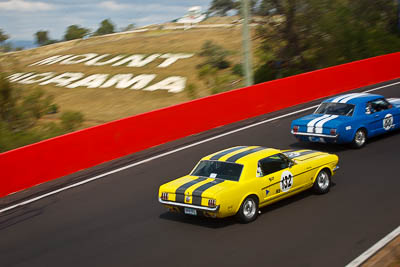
{"points": [[212, 203], [295, 129], [164, 196], [333, 131]]}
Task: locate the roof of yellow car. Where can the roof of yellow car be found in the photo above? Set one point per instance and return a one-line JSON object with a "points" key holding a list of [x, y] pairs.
{"points": [[242, 154]]}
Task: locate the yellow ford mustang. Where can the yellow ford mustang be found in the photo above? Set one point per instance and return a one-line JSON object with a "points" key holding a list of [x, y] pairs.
{"points": [[240, 180]]}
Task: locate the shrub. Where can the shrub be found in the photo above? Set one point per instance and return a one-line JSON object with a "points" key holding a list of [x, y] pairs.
{"points": [[71, 120]]}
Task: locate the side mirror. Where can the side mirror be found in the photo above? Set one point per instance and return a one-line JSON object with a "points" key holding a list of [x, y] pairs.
{"points": [[291, 164]]}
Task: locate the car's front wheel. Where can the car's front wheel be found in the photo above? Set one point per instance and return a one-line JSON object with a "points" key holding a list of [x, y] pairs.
{"points": [[322, 183], [360, 138], [248, 210]]}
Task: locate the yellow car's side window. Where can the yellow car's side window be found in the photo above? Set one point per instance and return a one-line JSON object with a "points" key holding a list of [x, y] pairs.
{"points": [[259, 171], [271, 164]]}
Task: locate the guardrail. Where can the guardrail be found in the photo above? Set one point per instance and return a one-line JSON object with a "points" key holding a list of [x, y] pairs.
{"points": [[47, 160]]}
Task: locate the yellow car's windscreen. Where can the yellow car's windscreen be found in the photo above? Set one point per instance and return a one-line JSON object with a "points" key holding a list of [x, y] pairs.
{"points": [[218, 169]]}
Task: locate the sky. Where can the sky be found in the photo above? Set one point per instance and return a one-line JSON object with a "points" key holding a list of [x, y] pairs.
{"points": [[21, 19]]}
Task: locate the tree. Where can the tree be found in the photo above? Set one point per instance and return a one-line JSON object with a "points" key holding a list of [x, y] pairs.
{"points": [[212, 71], [21, 111], [106, 27], [71, 120], [315, 34], [3, 36], [8, 99], [20, 114], [221, 7], [75, 32], [191, 91], [238, 70], [6, 47], [252, 6], [215, 55], [129, 27], [42, 37], [265, 8]]}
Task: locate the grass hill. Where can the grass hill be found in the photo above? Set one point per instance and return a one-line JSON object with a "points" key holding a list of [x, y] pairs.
{"points": [[100, 105]]}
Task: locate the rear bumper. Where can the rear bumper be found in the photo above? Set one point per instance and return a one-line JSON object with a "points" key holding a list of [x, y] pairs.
{"points": [[178, 204], [315, 135]]}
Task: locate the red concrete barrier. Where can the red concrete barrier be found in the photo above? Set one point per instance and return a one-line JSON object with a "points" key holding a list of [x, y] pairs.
{"points": [[34, 164]]}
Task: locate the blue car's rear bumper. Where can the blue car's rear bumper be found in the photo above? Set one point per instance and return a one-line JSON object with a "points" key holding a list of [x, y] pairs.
{"points": [[318, 138]]}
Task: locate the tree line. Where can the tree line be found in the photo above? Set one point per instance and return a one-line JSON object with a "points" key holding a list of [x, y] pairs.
{"points": [[72, 32], [303, 35], [77, 32]]}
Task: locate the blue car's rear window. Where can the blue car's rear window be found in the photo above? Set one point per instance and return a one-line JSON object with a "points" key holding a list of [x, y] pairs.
{"points": [[335, 109]]}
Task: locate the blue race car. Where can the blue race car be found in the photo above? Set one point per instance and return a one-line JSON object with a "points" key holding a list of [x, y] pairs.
{"points": [[350, 118]]}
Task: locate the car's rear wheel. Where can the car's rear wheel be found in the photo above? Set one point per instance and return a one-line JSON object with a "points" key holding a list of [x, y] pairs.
{"points": [[360, 138], [248, 210], [322, 183]]}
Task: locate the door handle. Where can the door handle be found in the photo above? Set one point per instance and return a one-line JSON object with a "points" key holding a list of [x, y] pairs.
{"points": [[376, 116]]}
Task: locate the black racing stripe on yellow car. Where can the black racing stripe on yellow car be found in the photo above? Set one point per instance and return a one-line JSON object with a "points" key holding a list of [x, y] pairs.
{"points": [[295, 154], [200, 190], [314, 168], [180, 191], [310, 157], [225, 152], [240, 155]]}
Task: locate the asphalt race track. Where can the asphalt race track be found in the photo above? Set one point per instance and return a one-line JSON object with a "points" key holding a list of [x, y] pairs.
{"points": [[117, 220]]}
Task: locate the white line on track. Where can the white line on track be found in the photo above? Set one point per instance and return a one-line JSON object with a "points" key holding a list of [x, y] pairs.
{"points": [[372, 250], [380, 87], [152, 158], [169, 153]]}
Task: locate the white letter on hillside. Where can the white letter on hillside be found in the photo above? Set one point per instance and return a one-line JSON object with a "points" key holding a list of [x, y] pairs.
{"points": [[18, 76], [76, 60], [51, 60], [34, 78], [173, 84], [172, 58], [92, 81], [125, 80], [64, 79], [94, 62], [137, 60]]}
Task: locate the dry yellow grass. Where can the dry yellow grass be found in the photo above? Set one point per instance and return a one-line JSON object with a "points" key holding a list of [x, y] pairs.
{"points": [[106, 104]]}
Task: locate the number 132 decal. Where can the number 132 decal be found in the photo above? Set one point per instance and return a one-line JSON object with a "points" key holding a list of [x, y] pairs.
{"points": [[286, 181]]}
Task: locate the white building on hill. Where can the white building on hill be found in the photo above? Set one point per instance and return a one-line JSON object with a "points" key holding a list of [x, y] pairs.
{"points": [[193, 16]]}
